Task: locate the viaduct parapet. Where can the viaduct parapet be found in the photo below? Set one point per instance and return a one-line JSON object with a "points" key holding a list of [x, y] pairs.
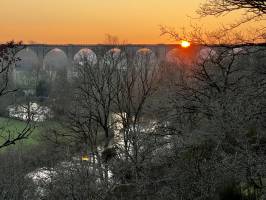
{"points": [[160, 50]]}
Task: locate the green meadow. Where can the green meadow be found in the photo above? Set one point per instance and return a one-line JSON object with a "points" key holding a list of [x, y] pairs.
{"points": [[12, 127]]}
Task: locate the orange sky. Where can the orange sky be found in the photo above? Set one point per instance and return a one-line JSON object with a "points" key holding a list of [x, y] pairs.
{"points": [[87, 21]]}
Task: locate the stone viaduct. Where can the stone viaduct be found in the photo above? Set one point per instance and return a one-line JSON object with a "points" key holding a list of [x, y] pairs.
{"points": [[160, 50]]}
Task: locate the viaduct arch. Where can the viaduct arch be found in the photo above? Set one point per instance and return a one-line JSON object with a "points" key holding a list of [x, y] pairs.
{"points": [[41, 50]]}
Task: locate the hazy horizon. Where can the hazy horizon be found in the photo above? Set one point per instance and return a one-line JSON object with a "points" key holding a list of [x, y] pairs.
{"points": [[88, 21]]}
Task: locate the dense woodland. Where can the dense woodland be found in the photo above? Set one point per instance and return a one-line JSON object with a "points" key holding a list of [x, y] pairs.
{"points": [[133, 127]]}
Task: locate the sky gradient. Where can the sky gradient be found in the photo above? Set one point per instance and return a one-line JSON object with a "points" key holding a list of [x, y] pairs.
{"points": [[88, 21]]}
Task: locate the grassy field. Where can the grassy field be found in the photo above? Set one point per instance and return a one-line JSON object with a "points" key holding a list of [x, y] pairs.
{"points": [[14, 126]]}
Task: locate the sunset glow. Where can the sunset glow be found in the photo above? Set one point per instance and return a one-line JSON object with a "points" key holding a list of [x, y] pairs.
{"points": [[88, 21], [185, 44]]}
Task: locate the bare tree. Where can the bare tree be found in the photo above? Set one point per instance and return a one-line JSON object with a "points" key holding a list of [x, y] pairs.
{"points": [[111, 118], [219, 7], [253, 11], [219, 108], [8, 58], [7, 61]]}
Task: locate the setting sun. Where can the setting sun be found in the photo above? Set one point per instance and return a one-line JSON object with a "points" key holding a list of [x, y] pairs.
{"points": [[185, 44]]}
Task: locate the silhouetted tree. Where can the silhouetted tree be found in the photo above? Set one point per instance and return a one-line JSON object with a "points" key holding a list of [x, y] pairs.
{"points": [[219, 7], [7, 61], [254, 10]]}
